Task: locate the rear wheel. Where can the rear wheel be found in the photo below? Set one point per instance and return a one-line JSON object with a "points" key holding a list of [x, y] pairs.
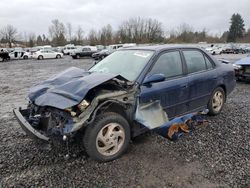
{"points": [[77, 56], [216, 101], [58, 56], [40, 57], [25, 57], [107, 138]]}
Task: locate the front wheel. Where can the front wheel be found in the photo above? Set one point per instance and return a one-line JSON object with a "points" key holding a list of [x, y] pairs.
{"points": [[58, 56], [216, 101], [40, 57], [107, 138]]}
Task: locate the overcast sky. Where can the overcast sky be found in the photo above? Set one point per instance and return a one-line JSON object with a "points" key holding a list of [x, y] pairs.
{"points": [[36, 15]]}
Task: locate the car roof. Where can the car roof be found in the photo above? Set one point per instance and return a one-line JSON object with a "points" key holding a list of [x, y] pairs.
{"points": [[161, 47]]}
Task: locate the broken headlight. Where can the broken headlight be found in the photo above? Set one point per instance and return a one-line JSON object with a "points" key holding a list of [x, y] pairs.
{"points": [[237, 66], [83, 105]]}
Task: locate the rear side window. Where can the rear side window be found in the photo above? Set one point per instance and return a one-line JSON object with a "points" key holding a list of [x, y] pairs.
{"points": [[209, 63], [195, 61], [168, 64]]}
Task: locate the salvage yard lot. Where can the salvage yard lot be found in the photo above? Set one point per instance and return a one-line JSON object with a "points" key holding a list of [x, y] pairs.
{"points": [[215, 155]]}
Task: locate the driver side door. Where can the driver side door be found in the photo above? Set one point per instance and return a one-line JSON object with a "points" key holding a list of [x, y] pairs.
{"points": [[172, 92]]}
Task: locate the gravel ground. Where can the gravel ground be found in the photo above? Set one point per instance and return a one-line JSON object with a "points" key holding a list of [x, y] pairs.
{"points": [[215, 155]]}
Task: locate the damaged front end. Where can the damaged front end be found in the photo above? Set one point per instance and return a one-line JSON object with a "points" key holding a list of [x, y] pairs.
{"points": [[47, 120], [43, 123]]}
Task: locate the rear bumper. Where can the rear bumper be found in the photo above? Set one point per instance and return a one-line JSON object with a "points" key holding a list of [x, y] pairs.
{"points": [[20, 115]]}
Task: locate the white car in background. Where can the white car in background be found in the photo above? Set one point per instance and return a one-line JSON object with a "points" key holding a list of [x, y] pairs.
{"points": [[47, 54], [20, 54], [215, 50], [69, 49]]}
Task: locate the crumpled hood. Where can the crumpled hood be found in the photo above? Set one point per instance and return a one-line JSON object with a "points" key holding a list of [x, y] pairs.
{"points": [[68, 88]]}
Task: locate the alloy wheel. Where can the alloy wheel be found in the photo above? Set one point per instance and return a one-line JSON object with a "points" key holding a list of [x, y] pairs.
{"points": [[110, 139]]}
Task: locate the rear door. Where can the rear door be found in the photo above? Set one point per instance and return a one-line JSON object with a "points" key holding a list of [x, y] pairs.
{"points": [[202, 78], [172, 93]]}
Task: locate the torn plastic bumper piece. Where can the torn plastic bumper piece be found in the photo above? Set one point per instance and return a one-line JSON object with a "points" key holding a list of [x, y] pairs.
{"points": [[20, 115], [172, 129], [175, 128]]}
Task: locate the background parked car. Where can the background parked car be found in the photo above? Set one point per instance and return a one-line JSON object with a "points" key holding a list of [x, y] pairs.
{"points": [[20, 54], [4, 55], [233, 49], [215, 50], [86, 51], [69, 49], [47, 54], [104, 53], [242, 69], [101, 54], [247, 49]]}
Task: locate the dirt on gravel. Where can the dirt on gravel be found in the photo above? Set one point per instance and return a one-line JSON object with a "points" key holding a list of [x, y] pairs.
{"points": [[213, 155]]}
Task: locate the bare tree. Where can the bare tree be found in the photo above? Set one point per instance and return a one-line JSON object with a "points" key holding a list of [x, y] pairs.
{"points": [[106, 35], [57, 33], [9, 33], [69, 31], [79, 35], [39, 40], [93, 37], [32, 39], [25, 38], [141, 30]]}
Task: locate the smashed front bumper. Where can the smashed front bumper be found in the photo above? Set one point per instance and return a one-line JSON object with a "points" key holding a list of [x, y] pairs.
{"points": [[21, 115]]}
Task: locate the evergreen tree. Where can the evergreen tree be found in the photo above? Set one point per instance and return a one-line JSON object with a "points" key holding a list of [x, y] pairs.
{"points": [[236, 29]]}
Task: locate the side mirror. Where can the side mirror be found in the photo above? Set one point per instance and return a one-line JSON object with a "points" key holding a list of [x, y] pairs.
{"points": [[154, 78], [224, 61]]}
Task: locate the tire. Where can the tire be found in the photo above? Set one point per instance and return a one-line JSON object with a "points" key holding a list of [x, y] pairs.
{"points": [[77, 57], [25, 57], [110, 130], [238, 79], [58, 56], [213, 53], [40, 57], [216, 101]]}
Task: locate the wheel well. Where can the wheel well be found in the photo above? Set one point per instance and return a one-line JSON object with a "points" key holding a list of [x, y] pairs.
{"points": [[224, 88], [113, 107]]}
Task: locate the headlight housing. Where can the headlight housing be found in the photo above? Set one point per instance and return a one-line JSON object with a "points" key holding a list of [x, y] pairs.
{"points": [[83, 105], [237, 66]]}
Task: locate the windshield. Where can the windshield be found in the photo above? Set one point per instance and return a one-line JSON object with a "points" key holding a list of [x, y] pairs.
{"points": [[127, 63]]}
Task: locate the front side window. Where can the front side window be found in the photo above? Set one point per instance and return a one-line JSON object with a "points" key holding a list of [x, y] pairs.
{"points": [[168, 64], [195, 61]]}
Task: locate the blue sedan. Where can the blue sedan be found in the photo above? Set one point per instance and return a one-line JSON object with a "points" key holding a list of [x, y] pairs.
{"points": [[130, 91]]}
